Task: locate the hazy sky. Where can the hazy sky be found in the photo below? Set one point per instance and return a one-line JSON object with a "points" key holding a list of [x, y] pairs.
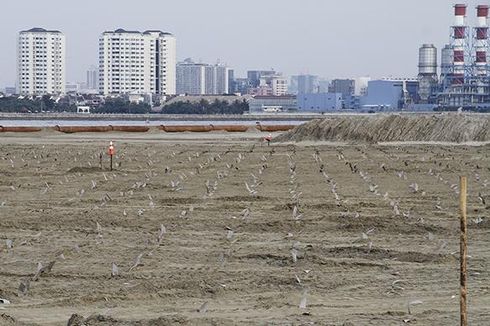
{"points": [[341, 38]]}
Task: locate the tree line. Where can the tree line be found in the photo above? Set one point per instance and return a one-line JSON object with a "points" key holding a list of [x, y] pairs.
{"points": [[206, 107], [47, 104]]}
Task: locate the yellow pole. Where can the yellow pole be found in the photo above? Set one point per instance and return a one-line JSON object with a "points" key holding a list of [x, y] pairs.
{"points": [[463, 248]]}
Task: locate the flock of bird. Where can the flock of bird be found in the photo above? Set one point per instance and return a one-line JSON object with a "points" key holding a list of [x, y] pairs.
{"points": [[217, 168]]}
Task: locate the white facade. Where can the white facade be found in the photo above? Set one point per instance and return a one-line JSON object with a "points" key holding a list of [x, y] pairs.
{"points": [[41, 62], [361, 86], [279, 85], [202, 79], [137, 63]]}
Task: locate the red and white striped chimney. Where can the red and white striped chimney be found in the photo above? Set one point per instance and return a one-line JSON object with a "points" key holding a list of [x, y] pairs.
{"points": [[481, 40], [459, 42]]}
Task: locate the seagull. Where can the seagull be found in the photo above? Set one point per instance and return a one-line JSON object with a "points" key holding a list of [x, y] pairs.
{"points": [[161, 233], [252, 192], [480, 197], [414, 186], [296, 214], [115, 270], [137, 262]]}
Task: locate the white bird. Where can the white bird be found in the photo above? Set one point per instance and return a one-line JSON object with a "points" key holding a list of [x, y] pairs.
{"points": [[99, 229], [414, 187], [115, 270], [252, 192], [297, 279], [245, 213], [294, 255], [229, 235], [137, 262], [302, 303], [161, 233], [482, 200], [296, 214], [203, 308]]}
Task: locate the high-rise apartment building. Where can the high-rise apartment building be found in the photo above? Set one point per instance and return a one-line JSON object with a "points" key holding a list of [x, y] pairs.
{"points": [[41, 64], [202, 79], [191, 78], [132, 62]]}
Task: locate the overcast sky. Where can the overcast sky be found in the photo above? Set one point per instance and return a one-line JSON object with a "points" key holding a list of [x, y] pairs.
{"points": [[330, 38]]}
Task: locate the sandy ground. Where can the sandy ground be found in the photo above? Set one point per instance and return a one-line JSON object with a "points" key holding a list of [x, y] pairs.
{"points": [[355, 235]]}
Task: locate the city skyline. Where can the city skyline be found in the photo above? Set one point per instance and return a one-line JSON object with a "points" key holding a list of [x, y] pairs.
{"points": [[348, 39]]}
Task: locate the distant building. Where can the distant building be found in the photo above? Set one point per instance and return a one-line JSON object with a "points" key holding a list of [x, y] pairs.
{"points": [[344, 86], [319, 102], [191, 78], [231, 81], [384, 95], [72, 87], [307, 84], [137, 62], [293, 85], [10, 91], [278, 84], [323, 85], [203, 79], [241, 85], [260, 104], [41, 65], [360, 86], [92, 81], [272, 85], [255, 75]]}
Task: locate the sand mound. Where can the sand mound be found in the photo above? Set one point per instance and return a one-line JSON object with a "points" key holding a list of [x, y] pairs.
{"points": [[388, 128]]}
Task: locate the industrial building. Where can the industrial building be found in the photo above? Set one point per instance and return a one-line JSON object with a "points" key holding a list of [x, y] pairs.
{"points": [[320, 102], [464, 79], [272, 104]]}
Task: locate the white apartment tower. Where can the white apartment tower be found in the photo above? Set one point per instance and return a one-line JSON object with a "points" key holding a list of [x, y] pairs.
{"points": [[202, 79], [41, 64], [132, 62]]}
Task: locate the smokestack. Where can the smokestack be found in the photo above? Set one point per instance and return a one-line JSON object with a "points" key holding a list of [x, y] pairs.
{"points": [[481, 40], [459, 37]]}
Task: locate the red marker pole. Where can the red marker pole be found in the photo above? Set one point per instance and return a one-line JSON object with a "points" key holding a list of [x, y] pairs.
{"points": [[111, 151]]}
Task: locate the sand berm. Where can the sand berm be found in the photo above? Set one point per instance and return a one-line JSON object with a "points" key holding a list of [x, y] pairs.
{"points": [[451, 127]]}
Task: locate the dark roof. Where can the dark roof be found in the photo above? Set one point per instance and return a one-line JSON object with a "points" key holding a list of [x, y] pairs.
{"points": [[121, 30], [157, 31], [40, 30]]}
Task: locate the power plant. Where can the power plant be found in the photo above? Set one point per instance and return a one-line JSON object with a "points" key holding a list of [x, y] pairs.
{"points": [[464, 80]]}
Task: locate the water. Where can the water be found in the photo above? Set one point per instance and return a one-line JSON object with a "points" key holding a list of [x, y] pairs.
{"points": [[52, 123]]}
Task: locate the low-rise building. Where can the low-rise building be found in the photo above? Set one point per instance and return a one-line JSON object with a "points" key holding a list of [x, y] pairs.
{"points": [[319, 102], [259, 104]]}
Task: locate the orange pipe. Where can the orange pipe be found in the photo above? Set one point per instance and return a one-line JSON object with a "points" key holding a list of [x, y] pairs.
{"points": [[130, 128], [20, 129], [230, 128], [189, 128]]}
